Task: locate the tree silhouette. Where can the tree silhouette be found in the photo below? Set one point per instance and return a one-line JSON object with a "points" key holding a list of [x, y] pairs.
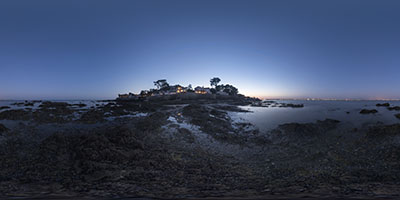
{"points": [[214, 81], [161, 84]]}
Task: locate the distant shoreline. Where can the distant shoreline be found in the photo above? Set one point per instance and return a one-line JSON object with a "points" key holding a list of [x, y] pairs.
{"points": [[266, 99]]}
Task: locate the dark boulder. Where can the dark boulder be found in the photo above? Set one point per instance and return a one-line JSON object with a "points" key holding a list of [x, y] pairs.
{"points": [[397, 108], [29, 104], [307, 129], [383, 105], [50, 104], [366, 111], [292, 105], [4, 107], [397, 116]]}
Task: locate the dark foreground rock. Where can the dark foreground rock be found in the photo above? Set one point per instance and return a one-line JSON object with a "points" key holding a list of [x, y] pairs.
{"points": [[366, 111], [397, 116], [18, 114], [216, 123], [384, 130], [298, 130], [3, 128], [119, 161], [153, 157]]}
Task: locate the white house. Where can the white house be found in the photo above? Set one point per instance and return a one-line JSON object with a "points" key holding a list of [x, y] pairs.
{"points": [[202, 90], [175, 89]]}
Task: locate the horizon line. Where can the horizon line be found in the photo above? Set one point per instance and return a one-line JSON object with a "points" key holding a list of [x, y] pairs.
{"points": [[262, 98]]}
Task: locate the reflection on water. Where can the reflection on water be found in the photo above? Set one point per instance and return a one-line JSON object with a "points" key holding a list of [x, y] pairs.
{"points": [[266, 118]]}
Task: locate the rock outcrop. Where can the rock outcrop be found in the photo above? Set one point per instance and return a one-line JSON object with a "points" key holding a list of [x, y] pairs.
{"points": [[3, 128], [397, 108], [383, 105], [367, 111]]}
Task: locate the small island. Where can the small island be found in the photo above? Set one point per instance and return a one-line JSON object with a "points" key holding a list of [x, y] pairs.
{"points": [[165, 91]]}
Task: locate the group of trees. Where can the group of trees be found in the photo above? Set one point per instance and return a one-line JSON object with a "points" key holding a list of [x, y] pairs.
{"points": [[162, 85], [230, 89]]}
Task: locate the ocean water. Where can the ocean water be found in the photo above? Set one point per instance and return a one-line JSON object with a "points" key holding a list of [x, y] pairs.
{"points": [[267, 118]]}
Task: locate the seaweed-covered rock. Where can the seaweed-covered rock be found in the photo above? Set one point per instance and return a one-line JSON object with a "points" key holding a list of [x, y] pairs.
{"points": [[382, 104], [53, 115], [18, 114], [29, 104], [97, 147], [152, 122], [397, 108], [50, 104], [54, 161], [4, 107], [92, 116], [307, 129], [3, 128], [366, 111], [384, 130], [125, 137], [216, 123], [185, 135], [292, 105]]}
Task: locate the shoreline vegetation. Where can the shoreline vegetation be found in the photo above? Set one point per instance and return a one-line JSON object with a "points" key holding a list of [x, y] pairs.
{"points": [[189, 148]]}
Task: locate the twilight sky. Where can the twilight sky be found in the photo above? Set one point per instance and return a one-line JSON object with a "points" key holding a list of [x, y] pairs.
{"points": [[83, 49]]}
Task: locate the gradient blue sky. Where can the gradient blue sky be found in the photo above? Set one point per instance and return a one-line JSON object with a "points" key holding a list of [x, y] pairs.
{"points": [[97, 49]]}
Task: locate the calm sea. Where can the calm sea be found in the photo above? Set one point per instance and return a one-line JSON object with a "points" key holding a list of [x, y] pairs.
{"points": [[348, 112]]}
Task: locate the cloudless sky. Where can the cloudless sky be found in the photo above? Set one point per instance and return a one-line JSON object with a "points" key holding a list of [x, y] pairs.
{"points": [[83, 49]]}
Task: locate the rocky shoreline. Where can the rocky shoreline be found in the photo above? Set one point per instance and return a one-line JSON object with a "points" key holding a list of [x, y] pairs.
{"points": [[189, 149]]}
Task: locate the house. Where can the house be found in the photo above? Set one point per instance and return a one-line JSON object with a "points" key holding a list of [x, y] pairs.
{"points": [[202, 90], [175, 89], [145, 93]]}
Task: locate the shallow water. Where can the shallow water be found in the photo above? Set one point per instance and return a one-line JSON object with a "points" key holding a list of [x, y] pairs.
{"points": [[9, 103], [266, 118]]}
